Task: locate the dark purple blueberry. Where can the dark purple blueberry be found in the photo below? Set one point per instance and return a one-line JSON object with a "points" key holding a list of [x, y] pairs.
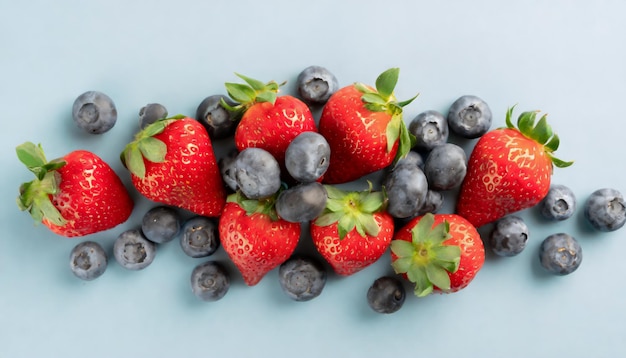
{"points": [[316, 84], [301, 203], [406, 188], [412, 158], [509, 236], [307, 157], [433, 203], [469, 117], [227, 169], [88, 260], [133, 251], [199, 237], [151, 113], [210, 281], [386, 295], [161, 224], [605, 209], [560, 254], [430, 128], [257, 173], [218, 121], [445, 167], [559, 203], [94, 112], [302, 278]]}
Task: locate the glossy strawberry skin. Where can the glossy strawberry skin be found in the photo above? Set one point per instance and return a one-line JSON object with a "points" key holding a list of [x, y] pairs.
{"points": [[462, 234], [91, 196], [354, 252], [273, 126], [255, 243], [507, 172], [189, 178], [356, 136]]}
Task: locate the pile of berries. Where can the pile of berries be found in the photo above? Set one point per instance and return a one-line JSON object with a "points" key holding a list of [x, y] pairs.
{"points": [[286, 171]]}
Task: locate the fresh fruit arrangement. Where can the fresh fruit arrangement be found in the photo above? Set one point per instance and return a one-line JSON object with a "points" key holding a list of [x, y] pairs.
{"points": [[283, 184]]}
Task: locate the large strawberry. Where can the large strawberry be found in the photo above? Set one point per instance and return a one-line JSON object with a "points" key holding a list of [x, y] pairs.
{"points": [[171, 161], [76, 195], [353, 231], [439, 253], [365, 129], [254, 237], [268, 121], [509, 169]]}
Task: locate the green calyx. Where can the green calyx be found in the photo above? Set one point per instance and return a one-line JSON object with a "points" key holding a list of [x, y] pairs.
{"points": [[266, 206], [425, 260], [35, 195], [382, 99], [541, 132], [146, 146], [352, 210], [254, 91]]}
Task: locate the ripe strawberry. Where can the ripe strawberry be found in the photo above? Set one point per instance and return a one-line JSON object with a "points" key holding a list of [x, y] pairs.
{"points": [[509, 169], [268, 121], [76, 195], [171, 161], [254, 237], [439, 253], [365, 129], [353, 231]]}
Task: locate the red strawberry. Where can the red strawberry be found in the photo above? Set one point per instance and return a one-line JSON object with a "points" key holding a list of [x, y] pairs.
{"points": [[438, 253], [353, 231], [268, 121], [509, 169], [172, 162], [254, 237], [365, 129], [76, 195]]}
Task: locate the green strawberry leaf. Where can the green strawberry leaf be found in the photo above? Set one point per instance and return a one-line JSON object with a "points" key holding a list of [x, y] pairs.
{"points": [[255, 84], [402, 264], [542, 131], [438, 276], [374, 99], [240, 92], [558, 162], [133, 159], [153, 149], [266, 97], [386, 83], [417, 275], [402, 249], [328, 218], [408, 101], [393, 131], [31, 155]]}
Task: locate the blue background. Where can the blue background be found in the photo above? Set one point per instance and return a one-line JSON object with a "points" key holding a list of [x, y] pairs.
{"points": [[566, 58]]}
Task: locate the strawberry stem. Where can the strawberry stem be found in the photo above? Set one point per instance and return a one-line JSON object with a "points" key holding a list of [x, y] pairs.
{"points": [[254, 91]]}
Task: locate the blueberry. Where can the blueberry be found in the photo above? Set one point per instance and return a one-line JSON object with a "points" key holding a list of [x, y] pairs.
{"points": [[605, 209], [445, 167], [412, 158], [386, 295], [151, 113], [433, 203], [406, 188], [509, 236], [316, 84], [88, 260], [94, 112], [218, 121], [559, 203], [161, 224], [257, 173], [430, 128], [133, 250], [302, 278], [301, 203], [227, 169], [560, 254], [210, 281], [307, 157], [199, 237], [469, 117]]}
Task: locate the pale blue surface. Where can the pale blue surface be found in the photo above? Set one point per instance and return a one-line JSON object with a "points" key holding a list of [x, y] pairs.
{"points": [[567, 58]]}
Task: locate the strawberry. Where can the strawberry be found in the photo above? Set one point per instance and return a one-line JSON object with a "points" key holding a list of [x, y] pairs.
{"points": [[171, 161], [268, 121], [365, 129], [353, 231], [439, 253], [254, 237], [509, 169], [76, 195]]}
